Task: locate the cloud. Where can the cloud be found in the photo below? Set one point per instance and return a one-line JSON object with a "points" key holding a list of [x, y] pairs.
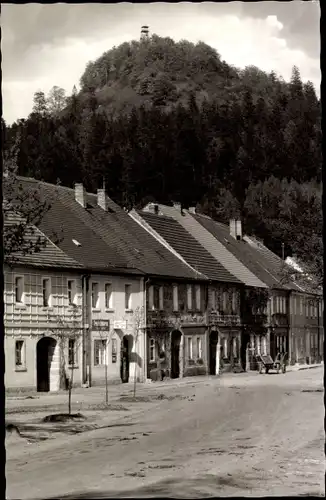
{"points": [[46, 45]]}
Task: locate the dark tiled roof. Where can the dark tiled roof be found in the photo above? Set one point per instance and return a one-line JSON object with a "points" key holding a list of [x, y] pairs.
{"points": [[48, 255], [188, 247], [268, 269], [108, 240]]}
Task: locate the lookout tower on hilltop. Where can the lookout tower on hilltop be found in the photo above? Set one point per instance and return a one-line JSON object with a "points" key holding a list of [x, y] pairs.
{"points": [[144, 34]]}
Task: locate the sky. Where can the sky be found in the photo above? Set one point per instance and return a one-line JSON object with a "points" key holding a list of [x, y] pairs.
{"points": [[50, 44]]}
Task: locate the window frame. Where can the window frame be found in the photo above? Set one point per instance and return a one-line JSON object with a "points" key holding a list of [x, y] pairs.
{"points": [[108, 303], [199, 346], [151, 297], [151, 349], [22, 301], [73, 291], [234, 302], [97, 287], [189, 297], [190, 348], [128, 305], [161, 297], [22, 366], [46, 279], [175, 295], [102, 353], [198, 297]]}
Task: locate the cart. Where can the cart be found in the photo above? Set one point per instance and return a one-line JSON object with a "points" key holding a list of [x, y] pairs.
{"points": [[268, 363]]}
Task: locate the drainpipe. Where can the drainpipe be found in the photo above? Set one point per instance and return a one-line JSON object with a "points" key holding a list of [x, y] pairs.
{"points": [[318, 332], [85, 284], [145, 283]]}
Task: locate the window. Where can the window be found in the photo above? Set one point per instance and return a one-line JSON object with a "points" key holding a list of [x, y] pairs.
{"points": [[189, 297], [161, 298], [199, 348], [213, 299], [264, 346], [95, 295], [127, 296], [301, 305], [225, 347], [114, 350], [235, 347], [198, 304], [294, 305], [151, 297], [156, 297], [234, 302], [99, 352], [225, 301], [108, 296], [19, 353], [19, 289], [189, 342], [72, 352], [71, 292], [46, 285], [151, 350], [175, 298]]}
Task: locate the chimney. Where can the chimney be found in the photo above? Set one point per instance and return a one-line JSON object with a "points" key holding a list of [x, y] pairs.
{"points": [[153, 208], [80, 194], [236, 229], [192, 210], [177, 206], [102, 199]]}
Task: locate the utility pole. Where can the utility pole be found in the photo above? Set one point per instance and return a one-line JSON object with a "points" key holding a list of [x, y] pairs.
{"points": [[283, 251]]}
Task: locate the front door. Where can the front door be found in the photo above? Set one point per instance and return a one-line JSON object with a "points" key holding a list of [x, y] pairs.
{"points": [[213, 342], [175, 354]]}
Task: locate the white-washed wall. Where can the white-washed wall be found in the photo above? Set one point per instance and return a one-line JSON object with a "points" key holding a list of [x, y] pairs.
{"points": [[131, 324]]}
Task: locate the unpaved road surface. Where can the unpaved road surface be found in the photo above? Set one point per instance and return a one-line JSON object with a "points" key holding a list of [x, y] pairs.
{"points": [[237, 435]]}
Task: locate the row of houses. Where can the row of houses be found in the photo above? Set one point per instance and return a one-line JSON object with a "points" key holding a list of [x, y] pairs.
{"points": [[112, 293]]}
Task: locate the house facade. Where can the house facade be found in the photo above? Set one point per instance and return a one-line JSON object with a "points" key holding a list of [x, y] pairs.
{"points": [[307, 328], [211, 334], [43, 327]]}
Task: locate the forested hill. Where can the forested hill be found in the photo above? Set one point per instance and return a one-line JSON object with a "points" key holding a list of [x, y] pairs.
{"points": [[167, 121], [161, 72]]}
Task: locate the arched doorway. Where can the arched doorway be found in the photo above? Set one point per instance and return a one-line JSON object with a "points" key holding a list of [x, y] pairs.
{"points": [[213, 352], [125, 359], [175, 353], [45, 365]]}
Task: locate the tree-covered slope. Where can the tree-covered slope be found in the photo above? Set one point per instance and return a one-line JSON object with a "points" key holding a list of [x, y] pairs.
{"points": [[160, 72]]}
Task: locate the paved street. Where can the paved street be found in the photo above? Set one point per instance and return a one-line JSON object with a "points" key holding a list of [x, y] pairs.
{"points": [[237, 435]]}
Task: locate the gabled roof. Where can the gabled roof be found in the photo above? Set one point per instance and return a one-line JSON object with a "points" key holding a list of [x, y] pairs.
{"points": [[268, 268], [216, 249], [48, 256], [188, 247], [104, 240]]}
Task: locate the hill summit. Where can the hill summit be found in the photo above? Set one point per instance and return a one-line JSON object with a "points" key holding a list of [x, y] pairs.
{"points": [[158, 71]]}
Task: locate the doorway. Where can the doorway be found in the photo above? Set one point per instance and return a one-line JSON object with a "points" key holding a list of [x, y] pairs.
{"points": [[213, 342], [245, 344], [125, 360], [44, 362], [175, 353]]}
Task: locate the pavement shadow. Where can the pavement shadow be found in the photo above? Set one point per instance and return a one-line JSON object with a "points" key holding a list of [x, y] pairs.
{"points": [[204, 486]]}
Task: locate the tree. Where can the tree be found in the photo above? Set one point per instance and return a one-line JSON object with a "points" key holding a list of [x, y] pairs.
{"points": [[40, 104], [56, 100], [22, 212], [69, 333], [138, 326], [102, 329]]}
